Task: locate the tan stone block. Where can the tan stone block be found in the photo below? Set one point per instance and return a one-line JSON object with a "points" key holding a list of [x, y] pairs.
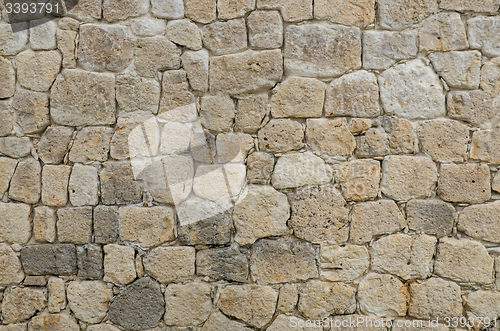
{"points": [[485, 145], [260, 166], [433, 217], [251, 112], [119, 264], [8, 85], [483, 34], [490, 75], [225, 37], [265, 29], [15, 223], [469, 182], [382, 49], [298, 97], [343, 263], [201, 11], [196, 66], [458, 69], [44, 224], [217, 112], [57, 294], [229, 9], [37, 70], [66, 43], [219, 321], [481, 221], [187, 305], [89, 300], [281, 135], [291, 10], [20, 303], [399, 14], [234, 147], [284, 322], [288, 298], [118, 10], [443, 32], [137, 94], [74, 225], [56, 322], [359, 179], [7, 168], [185, 33], [55, 181], [156, 54], [470, 5], [11, 271], [170, 264], [300, 169], [25, 184], [484, 304], [360, 13], [476, 107], [382, 295], [444, 140], [330, 136]]}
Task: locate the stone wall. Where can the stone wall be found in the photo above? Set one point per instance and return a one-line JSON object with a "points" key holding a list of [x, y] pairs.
{"points": [[250, 164]]}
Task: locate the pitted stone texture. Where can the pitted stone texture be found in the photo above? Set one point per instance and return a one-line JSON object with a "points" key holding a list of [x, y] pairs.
{"points": [[8, 84], [25, 185], [137, 94], [66, 43], [234, 147], [119, 265], [147, 226], [156, 54], [282, 261], [6, 120], [170, 264], [90, 263], [444, 140], [140, 306], [359, 179], [49, 259], [284, 322], [319, 214], [382, 49], [55, 181], [481, 222], [469, 183], [281, 135], [407, 177], [265, 29], [262, 212], [114, 10], [318, 299], [201, 11], [427, 98], [13, 38], [400, 14], [484, 304], [11, 272], [102, 47], [443, 32], [20, 303], [91, 144], [330, 136], [127, 142], [485, 145], [74, 225], [432, 217], [260, 166], [405, 256], [435, 298], [187, 305], [83, 98], [490, 75], [288, 298], [217, 112], [229, 9], [298, 97], [360, 13], [185, 33], [252, 304], [15, 147], [394, 136], [57, 295], [32, 110], [118, 185], [7, 168], [196, 66], [382, 296], [37, 70], [340, 50], [53, 322], [483, 34], [300, 169], [458, 69], [176, 92], [292, 11], [89, 300], [225, 263], [83, 186], [343, 263], [464, 261], [148, 26], [475, 107], [370, 219], [87, 10], [219, 321], [106, 224], [14, 327], [169, 9], [225, 37], [245, 72], [54, 144]]}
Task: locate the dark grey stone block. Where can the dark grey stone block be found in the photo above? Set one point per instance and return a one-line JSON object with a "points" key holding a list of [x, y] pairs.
{"points": [[48, 259]]}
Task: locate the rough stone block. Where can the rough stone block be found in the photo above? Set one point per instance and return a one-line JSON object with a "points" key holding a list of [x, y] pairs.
{"points": [[226, 263], [284, 322], [57, 295], [382, 295], [470, 5], [13, 38], [469, 183], [47, 259], [148, 26], [234, 147], [281, 135], [90, 262], [56, 322], [298, 97], [300, 169], [25, 185], [196, 66], [170, 264], [260, 166], [176, 92], [20, 303], [8, 85], [476, 107], [444, 140], [32, 110], [15, 147], [185, 33], [55, 181], [360, 13], [201, 11], [156, 54], [6, 120], [359, 179], [288, 298], [459, 69], [219, 183], [91, 144], [432, 217], [343, 263], [443, 32], [265, 29], [219, 321], [74, 225], [330, 136], [225, 37], [252, 111], [382, 49], [83, 186], [490, 75], [44, 224], [485, 145], [481, 222], [291, 10], [169, 9], [66, 43], [7, 168], [37, 70], [483, 34], [114, 10], [400, 14], [89, 300], [228, 9], [119, 264], [11, 272], [137, 94], [106, 224], [484, 304], [187, 305], [54, 144], [217, 112], [118, 185]]}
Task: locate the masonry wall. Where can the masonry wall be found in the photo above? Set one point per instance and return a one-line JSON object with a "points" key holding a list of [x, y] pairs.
{"points": [[250, 165]]}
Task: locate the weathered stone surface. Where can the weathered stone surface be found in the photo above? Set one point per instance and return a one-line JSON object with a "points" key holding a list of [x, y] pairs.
{"points": [[284, 322], [435, 298], [156, 54], [444, 140], [251, 112], [288, 298], [83, 185], [330, 136], [481, 221], [90, 263], [49, 259], [83, 98], [382, 295], [114, 10], [89, 300], [484, 304], [13, 38], [483, 34], [203, 144], [217, 112], [219, 183], [425, 101], [57, 295], [55, 185], [485, 145], [495, 185], [8, 85], [119, 265], [34, 281], [464, 261], [66, 43], [175, 137], [187, 305], [300, 169], [118, 185], [54, 144], [265, 29], [225, 37], [170, 9], [343, 263], [359, 179], [74, 225], [137, 94], [475, 107], [252, 304], [102, 327], [458, 69], [148, 26], [281, 135], [234, 147], [11, 272], [32, 110], [6, 120], [201, 11], [368, 323], [360, 13], [7, 168], [292, 11], [91, 144], [196, 66], [282, 260], [245, 72], [147, 226], [340, 50], [443, 32], [319, 214], [170, 264], [470, 5], [260, 166], [228, 9], [370, 219], [15, 226], [54, 322], [318, 299], [140, 306], [382, 49], [468, 183], [433, 217], [399, 14], [226, 263], [15, 147], [127, 142], [298, 97], [44, 224], [176, 92], [37, 70], [106, 224], [20, 303], [25, 184], [185, 33], [218, 321], [407, 177], [490, 75]]}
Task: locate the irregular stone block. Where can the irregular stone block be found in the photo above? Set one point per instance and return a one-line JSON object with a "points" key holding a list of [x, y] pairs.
{"points": [[47, 259], [8, 85], [106, 224], [57, 295], [343, 263], [91, 144], [288, 298], [90, 263], [219, 321], [118, 185], [187, 305], [292, 11], [119, 264], [54, 322], [169, 9], [20, 303], [490, 75], [281, 135], [330, 136], [66, 43], [175, 137], [44, 224], [102, 327], [225, 37], [74, 225], [495, 185], [196, 66], [443, 32], [219, 183], [260, 166], [251, 112], [228, 9], [156, 54], [484, 303], [485, 146], [483, 34], [217, 112], [13, 38], [148, 26], [83, 186], [469, 183], [129, 137], [15, 147], [25, 185], [201, 11], [300, 169], [114, 10], [359, 126], [226, 263], [444, 140], [32, 110], [374, 218], [137, 94], [234, 147], [298, 97], [176, 92], [433, 217], [55, 185], [359, 179], [185, 33], [265, 29], [400, 14], [319, 214], [476, 107], [34, 281], [7, 168], [37, 70], [89, 300], [11, 272], [360, 13], [382, 49], [54, 144], [6, 120], [458, 69], [481, 222], [382, 296], [470, 5], [170, 264], [284, 322]]}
